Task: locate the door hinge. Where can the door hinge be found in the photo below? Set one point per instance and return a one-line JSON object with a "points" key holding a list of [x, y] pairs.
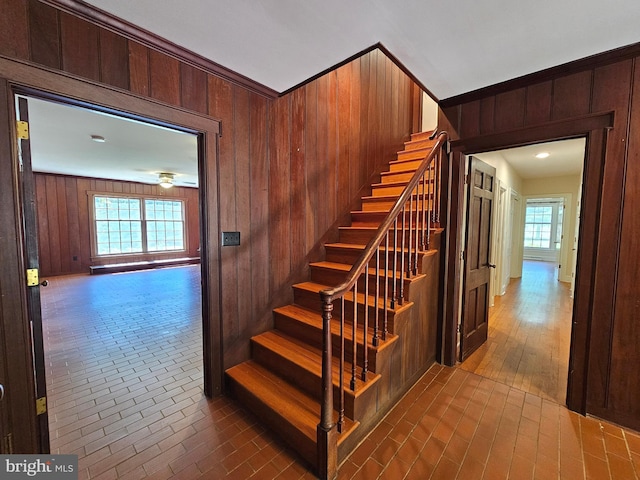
{"points": [[33, 278], [7, 444], [41, 405], [459, 328], [466, 179], [23, 130]]}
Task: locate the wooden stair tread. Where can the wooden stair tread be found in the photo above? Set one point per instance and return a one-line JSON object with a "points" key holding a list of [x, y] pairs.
{"points": [[310, 359], [295, 406], [314, 319], [291, 405]]}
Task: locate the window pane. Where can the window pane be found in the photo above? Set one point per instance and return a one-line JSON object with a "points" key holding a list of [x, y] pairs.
{"points": [[113, 225]]}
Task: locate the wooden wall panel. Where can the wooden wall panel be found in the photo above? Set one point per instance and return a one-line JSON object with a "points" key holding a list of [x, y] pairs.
{"points": [[242, 134], [612, 388], [509, 110], [193, 88], [298, 193], [164, 74], [611, 91], [331, 136], [79, 42], [538, 103], [114, 62], [44, 34], [626, 334], [572, 95], [64, 242], [138, 68], [258, 237], [14, 29]]}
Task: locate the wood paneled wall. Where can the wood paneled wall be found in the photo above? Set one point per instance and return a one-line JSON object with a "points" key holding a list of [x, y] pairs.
{"points": [[612, 382], [64, 221], [327, 140], [288, 168]]}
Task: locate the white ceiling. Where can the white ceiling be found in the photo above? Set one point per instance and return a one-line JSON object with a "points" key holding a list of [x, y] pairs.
{"points": [[452, 47], [566, 157], [133, 151]]}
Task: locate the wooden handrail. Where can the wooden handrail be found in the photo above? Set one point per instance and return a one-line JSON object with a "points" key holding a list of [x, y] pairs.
{"points": [[331, 294], [326, 431]]}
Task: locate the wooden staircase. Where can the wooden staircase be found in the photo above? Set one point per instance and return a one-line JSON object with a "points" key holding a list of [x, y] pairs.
{"points": [[282, 383]]}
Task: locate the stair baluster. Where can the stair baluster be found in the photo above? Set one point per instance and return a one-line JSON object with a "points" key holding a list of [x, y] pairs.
{"points": [[386, 287], [413, 254], [365, 325], [341, 380], [375, 340], [354, 361], [402, 255]]}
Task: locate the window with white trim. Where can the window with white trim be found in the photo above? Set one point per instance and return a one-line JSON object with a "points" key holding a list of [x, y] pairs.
{"points": [[129, 225]]}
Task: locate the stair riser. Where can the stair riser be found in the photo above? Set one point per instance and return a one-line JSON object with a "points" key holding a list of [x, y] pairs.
{"points": [[392, 177], [375, 204], [421, 136], [298, 441], [350, 257], [419, 144], [405, 164], [336, 277], [396, 190], [312, 301], [313, 336], [415, 154], [362, 237], [373, 219]]}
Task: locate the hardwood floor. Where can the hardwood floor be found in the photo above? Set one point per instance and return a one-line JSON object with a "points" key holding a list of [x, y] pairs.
{"points": [[529, 335]]}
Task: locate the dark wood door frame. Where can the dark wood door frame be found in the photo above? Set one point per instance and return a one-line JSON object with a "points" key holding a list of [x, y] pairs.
{"points": [[19, 77], [594, 128]]}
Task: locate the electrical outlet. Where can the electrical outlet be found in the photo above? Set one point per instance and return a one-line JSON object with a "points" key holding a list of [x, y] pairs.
{"points": [[230, 239]]}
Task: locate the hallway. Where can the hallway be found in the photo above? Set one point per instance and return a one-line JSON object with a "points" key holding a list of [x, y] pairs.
{"points": [[529, 335]]}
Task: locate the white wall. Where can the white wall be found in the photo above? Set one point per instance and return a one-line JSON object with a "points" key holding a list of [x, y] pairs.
{"points": [[568, 186], [429, 113]]}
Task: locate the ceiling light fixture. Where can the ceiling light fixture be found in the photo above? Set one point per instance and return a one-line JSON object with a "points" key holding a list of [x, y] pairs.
{"points": [[542, 155], [165, 180], [98, 138]]}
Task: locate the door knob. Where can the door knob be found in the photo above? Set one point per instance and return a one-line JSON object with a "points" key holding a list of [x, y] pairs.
{"points": [[1, 392], [491, 265], [44, 283]]}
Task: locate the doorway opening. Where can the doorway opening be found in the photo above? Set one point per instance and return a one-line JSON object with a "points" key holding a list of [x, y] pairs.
{"points": [[123, 350], [533, 242]]}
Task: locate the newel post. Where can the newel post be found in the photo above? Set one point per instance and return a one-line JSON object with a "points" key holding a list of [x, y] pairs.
{"points": [[327, 432]]}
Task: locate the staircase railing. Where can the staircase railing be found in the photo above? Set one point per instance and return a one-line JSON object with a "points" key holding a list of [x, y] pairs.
{"points": [[403, 233]]}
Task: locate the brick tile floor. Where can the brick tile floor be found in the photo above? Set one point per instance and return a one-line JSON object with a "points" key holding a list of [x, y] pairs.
{"points": [[124, 386]]}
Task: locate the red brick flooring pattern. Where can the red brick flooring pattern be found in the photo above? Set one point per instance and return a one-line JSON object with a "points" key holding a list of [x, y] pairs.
{"points": [[124, 386]]}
